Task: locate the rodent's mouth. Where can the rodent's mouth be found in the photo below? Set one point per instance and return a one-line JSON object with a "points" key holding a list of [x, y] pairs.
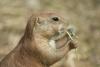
{"points": [[60, 40]]}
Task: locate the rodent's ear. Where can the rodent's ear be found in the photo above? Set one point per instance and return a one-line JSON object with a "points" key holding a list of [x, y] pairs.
{"points": [[30, 26]]}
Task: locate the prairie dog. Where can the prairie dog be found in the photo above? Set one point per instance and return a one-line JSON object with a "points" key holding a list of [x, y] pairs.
{"points": [[44, 42]]}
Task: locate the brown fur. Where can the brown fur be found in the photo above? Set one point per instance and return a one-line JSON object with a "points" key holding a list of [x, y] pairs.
{"points": [[33, 49]]}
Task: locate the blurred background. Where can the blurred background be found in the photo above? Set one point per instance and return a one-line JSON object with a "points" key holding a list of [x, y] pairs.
{"points": [[84, 14]]}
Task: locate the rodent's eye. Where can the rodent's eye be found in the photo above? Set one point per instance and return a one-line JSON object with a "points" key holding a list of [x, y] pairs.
{"points": [[55, 18]]}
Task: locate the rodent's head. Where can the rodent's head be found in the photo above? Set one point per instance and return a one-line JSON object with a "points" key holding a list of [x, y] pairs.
{"points": [[48, 24], [49, 32]]}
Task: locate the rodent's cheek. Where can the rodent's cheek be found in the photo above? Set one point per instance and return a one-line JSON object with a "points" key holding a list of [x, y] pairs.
{"points": [[56, 28], [46, 32]]}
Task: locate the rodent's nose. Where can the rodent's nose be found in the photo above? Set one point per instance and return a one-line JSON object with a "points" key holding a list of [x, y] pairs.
{"points": [[61, 29]]}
